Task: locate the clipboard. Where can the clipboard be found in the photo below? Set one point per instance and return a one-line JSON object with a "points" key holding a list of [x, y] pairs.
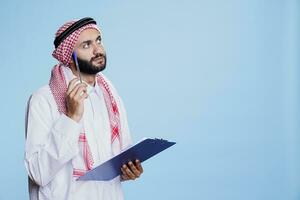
{"points": [[142, 151]]}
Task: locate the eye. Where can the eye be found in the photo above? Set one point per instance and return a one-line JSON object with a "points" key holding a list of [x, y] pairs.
{"points": [[98, 40], [86, 45]]}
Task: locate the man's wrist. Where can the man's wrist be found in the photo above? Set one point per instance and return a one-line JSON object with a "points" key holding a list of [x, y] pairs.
{"points": [[74, 117]]}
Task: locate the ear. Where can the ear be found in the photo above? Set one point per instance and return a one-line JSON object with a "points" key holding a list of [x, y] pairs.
{"points": [[72, 62], [72, 65]]}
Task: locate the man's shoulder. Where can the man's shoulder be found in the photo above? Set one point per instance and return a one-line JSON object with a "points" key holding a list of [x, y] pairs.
{"points": [[43, 91], [43, 94]]}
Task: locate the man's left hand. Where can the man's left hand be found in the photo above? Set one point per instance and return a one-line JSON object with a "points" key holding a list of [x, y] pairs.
{"points": [[131, 171]]}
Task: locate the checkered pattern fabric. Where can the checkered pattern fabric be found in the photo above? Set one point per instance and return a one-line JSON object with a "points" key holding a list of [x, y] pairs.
{"points": [[59, 88], [114, 116], [63, 53]]}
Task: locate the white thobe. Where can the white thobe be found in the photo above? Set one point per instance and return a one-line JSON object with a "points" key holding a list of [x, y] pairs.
{"points": [[52, 143]]}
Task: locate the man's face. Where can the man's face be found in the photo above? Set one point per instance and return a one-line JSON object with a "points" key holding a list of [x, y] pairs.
{"points": [[90, 52]]}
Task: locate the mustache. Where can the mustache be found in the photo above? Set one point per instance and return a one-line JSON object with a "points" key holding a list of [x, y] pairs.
{"points": [[99, 55]]}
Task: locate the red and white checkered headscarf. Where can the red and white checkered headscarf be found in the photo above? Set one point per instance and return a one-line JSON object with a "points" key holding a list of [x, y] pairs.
{"points": [[63, 53]]}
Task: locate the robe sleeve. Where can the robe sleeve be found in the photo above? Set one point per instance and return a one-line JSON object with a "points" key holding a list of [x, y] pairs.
{"points": [[50, 144]]}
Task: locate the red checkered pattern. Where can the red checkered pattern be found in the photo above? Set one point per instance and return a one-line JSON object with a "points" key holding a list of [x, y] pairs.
{"points": [[63, 53], [114, 116], [59, 88]]}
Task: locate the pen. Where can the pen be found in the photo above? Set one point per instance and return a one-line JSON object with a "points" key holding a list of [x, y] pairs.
{"points": [[77, 66]]}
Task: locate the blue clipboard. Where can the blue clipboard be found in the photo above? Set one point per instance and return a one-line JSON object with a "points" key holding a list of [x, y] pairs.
{"points": [[142, 151]]}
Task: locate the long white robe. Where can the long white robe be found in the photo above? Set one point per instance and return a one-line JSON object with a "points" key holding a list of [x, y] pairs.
{"points": [[52, 143]]}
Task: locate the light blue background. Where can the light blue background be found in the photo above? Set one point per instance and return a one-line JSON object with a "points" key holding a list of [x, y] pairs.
{"points": [[220, 78]]}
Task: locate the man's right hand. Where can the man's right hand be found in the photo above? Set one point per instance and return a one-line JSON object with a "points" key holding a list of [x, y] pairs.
{"points": [[76, 94]]}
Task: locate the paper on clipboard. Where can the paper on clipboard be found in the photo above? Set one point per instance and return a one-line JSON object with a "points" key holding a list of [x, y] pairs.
{"points": [[142, 151]]}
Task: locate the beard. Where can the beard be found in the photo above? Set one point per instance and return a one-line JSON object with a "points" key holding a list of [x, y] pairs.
{"points": [[87, 67]]}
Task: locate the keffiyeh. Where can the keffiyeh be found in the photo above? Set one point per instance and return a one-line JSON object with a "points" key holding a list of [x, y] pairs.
{"points": [[63, 53]]}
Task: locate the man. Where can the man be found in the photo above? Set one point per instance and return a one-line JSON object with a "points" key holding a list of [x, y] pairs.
{"points": [[76, 122]]}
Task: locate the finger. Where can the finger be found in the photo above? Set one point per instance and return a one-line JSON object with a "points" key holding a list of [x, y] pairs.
{"points": [[128, 172], [78, 89], [72, 85], [139, 166], [123, 171], [73, 90], [81, 91], [134, 169], [83, 96], [124, 176]]}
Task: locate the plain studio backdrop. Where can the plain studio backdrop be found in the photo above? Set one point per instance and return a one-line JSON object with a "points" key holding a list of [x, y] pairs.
{"points": [[220, 78]]}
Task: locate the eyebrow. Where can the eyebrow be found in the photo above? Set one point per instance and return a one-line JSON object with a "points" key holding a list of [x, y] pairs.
{"points": [[90, 41]]}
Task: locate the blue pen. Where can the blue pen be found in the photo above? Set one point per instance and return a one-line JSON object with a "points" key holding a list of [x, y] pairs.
{"points": [[77, 66]]}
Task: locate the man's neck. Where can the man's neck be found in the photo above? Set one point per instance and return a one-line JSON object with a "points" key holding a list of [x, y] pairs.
{"points": [[88, 78]]}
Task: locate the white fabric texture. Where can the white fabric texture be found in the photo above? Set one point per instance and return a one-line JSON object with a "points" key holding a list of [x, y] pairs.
{"points": [[52, 144]]}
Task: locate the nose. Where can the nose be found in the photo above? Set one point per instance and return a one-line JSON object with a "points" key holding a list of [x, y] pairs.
{"points": [[98, 49]]}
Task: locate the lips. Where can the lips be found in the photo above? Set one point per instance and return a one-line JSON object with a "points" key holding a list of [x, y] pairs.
{"points": [[98, 59]]}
